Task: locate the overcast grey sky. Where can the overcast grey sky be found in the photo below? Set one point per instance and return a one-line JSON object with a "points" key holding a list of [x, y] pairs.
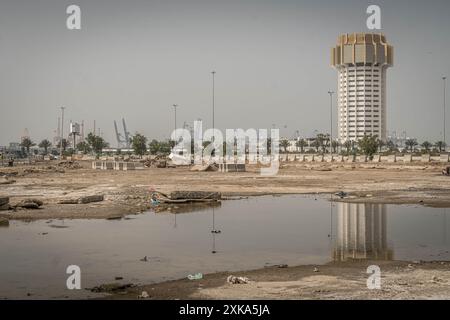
{"points": [[136, 58]]}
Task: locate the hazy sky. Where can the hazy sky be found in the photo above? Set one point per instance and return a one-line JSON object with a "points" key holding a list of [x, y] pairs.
{"points": [[134, 59]]}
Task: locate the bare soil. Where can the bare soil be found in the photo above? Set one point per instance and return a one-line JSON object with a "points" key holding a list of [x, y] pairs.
{"points": [[127, 192], [399, 280]]}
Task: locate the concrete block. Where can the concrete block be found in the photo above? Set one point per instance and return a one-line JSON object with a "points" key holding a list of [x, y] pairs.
{"points": [[444, 157], [425, 158], [392, 158], [128, 166], [407, 158], [376, 158], [362, 158]]}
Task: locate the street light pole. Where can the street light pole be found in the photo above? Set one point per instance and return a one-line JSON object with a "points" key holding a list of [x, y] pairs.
{"points": [[213, 100], [62, 134], [444, 80], [175, 112], [331, 121]]}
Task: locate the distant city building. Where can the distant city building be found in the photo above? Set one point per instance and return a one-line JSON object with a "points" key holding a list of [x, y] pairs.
{"points": [[361, 60]]}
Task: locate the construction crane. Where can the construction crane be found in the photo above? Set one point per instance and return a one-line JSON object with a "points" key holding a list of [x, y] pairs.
{"points": [[123, 141]]}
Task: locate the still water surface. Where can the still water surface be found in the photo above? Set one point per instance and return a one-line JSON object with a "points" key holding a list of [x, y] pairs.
{"points": [[254, 233]]}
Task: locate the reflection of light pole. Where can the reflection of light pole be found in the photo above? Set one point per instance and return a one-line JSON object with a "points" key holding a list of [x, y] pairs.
{"points": [[444, 80], [331, 120], [62, 134], [175, 224]]}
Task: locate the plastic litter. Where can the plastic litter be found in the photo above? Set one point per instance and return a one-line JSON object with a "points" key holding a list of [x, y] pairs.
{"points": [[144, 295], [196, 276], [237, 280]]}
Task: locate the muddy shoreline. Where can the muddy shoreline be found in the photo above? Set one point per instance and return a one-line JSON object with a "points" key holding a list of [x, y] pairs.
{"points": [[344, 280]]}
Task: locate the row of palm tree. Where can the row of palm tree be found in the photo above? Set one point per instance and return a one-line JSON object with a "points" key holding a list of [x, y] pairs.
{"points": [[322, 142]]}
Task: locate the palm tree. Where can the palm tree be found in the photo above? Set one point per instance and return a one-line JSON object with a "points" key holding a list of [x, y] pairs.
{"points": [[320, 139], [411, 143], [426, 145], [391, 145], [45, 144], [285, 144], [381, 144], [64, 144], [301, 144], [335, 144], [440, 145], [348, 145], [27, 144]]}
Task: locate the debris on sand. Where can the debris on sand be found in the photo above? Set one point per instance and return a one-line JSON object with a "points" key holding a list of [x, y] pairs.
{"points": [[89, 199], [69, 165], [315, 270], [237, 280], [341, 194], [68, 201], [114, 217], [111, 287], [197, 276], [144, 295], [6, 180], [4, 222], [82, 200], [4, 203], [198, 195], [205, 167], [29, 204]]}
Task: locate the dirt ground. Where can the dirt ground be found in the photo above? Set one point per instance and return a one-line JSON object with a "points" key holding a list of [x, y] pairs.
{"points": [[127, 192], [399, 280]]}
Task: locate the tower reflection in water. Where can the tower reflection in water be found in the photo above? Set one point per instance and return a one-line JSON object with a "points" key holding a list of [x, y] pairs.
{"points": [[361, 232]]}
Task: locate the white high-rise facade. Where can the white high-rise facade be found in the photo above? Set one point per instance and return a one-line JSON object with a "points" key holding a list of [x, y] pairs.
{"points": [[361, 60]]}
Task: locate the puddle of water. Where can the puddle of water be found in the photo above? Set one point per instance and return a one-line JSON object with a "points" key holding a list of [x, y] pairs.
{"points": [[254, 233]]}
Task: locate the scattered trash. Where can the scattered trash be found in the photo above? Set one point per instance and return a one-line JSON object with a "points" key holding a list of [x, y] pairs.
{"points": [[316, 270], [154, 199], [205, 167], [144, 259], [111, 287], [4, 222], [341, 194], [118, 278], [4, 203], [282, 266], [196, 276], [216, 231], [436, 279], [5, 180], [30, 204], [143, 295], [114, 217], [89, 199], [237, 280]]}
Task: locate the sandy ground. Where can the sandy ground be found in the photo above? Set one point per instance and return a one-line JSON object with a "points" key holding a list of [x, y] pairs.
{"points": [[399, 280], [127, 192]]}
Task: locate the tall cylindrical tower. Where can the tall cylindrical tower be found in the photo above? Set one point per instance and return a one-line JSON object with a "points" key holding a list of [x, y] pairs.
{"points": [[361, 60]]}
